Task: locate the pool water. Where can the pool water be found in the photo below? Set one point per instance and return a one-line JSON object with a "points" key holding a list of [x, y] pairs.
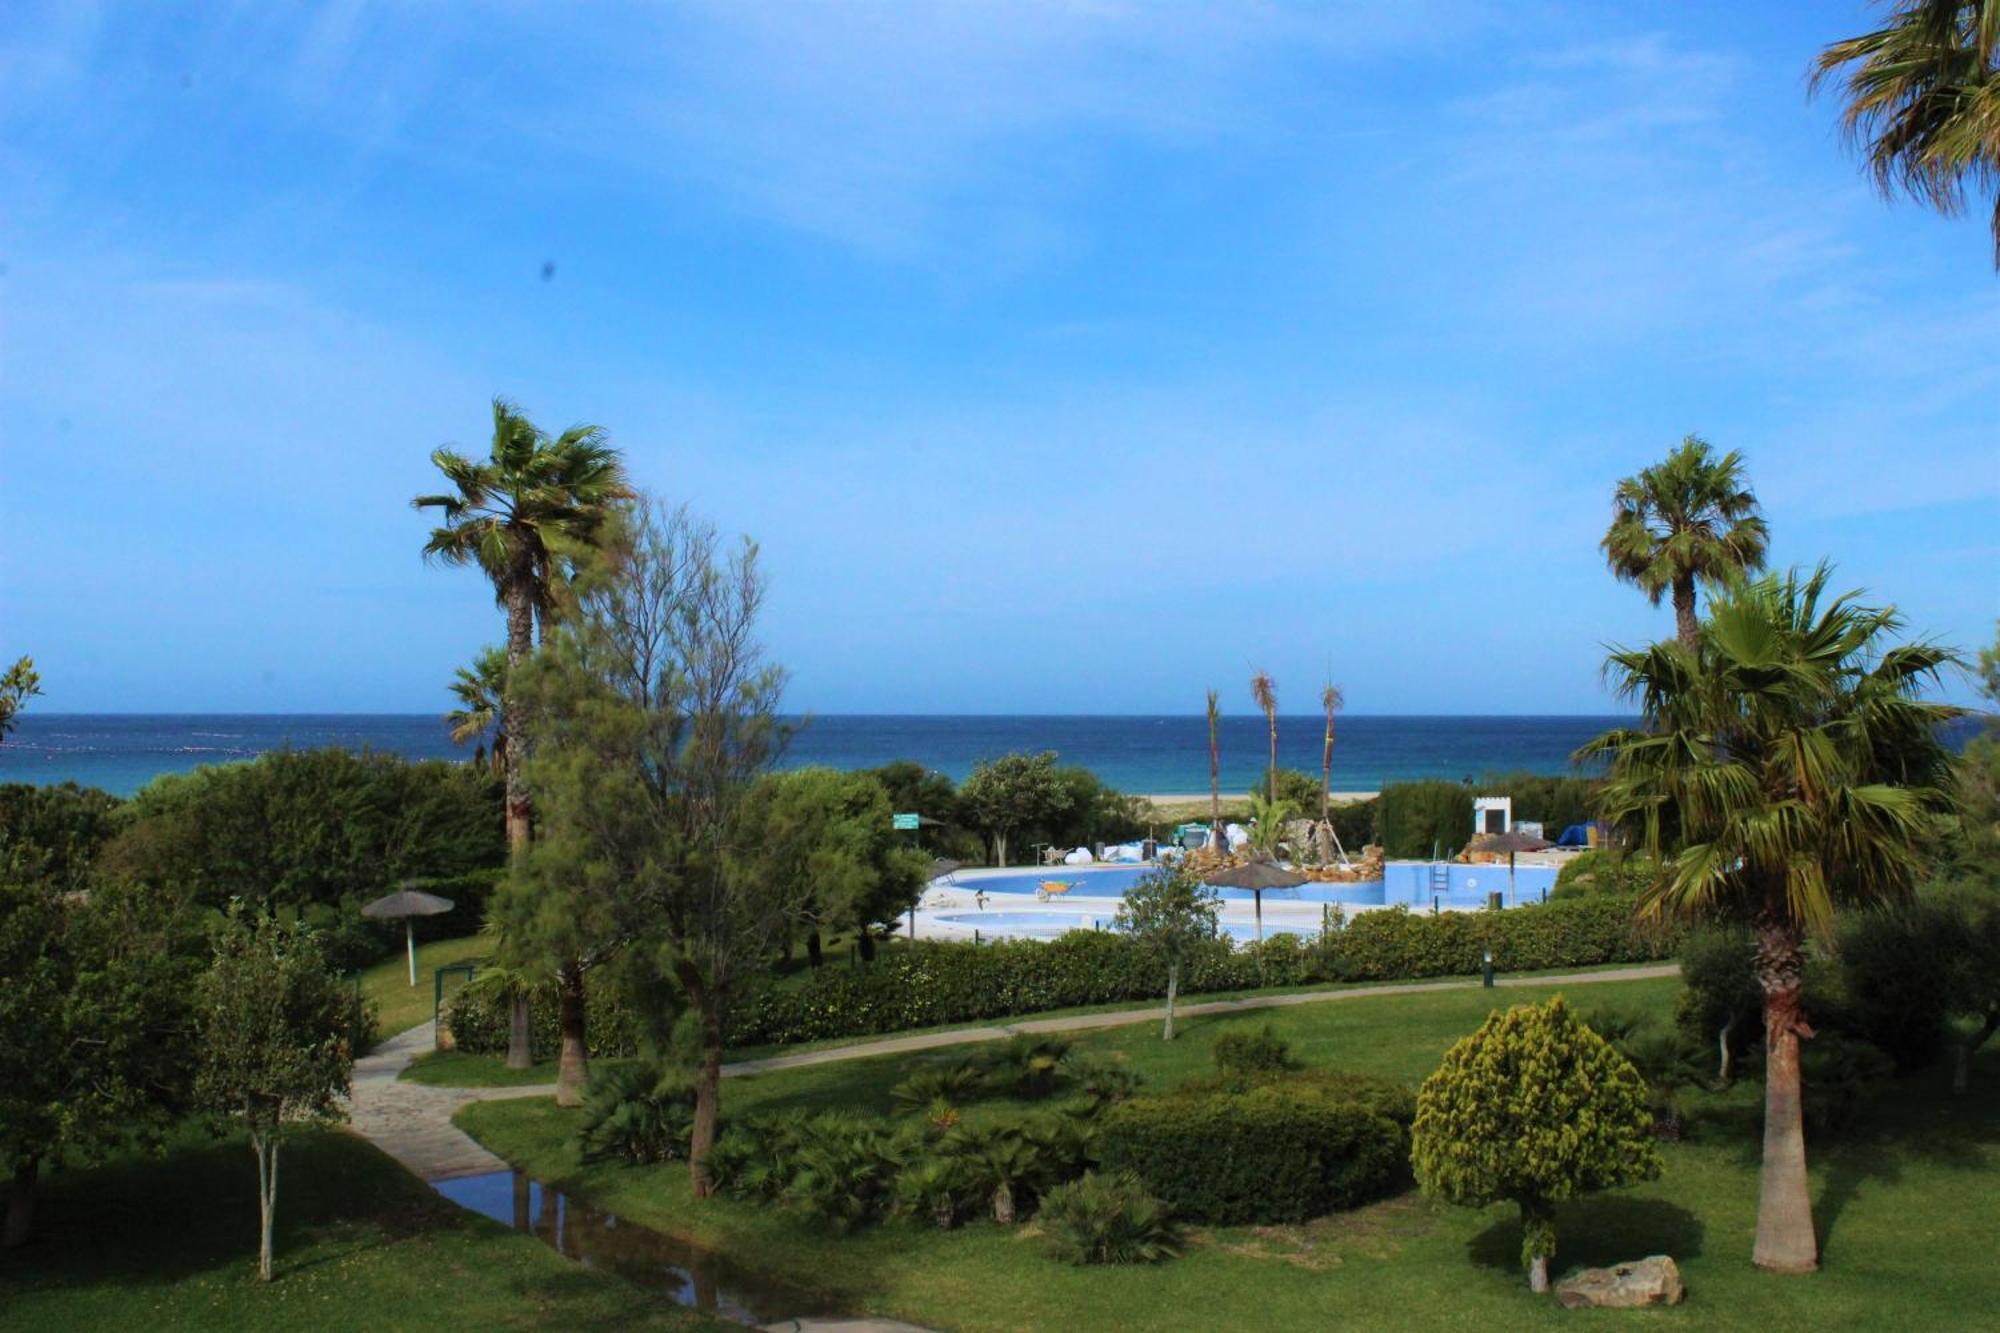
{"points": [[1049, 925], [1413, 883]]}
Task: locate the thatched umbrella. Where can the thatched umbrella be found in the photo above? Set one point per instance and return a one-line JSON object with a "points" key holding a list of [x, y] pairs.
{"points": [[1511, 843], [409, 904], [1256, 876]]}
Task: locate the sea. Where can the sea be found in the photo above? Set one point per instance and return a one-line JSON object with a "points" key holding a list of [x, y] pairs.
{"points": [[120, 753]]}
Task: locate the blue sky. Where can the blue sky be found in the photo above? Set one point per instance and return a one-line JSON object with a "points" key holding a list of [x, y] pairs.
{"points": [[1063, 357]]}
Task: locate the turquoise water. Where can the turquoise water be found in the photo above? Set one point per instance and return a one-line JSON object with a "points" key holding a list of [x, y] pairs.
{"points": [[1412, 883]]}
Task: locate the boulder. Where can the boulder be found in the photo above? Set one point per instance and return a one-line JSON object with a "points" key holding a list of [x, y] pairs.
{"points": [[1655, 1280]]}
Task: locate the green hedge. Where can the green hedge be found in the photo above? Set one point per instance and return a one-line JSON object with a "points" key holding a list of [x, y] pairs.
{"points": [[1284, 1151], [929, 984], [479, 1016], [1419, 820]]}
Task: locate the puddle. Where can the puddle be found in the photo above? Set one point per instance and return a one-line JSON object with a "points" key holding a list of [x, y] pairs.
{"points": [[688, 1274]]}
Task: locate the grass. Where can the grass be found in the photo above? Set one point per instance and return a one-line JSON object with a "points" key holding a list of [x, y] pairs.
{"points": [[460, 1069], [1905, 1204], [398, 1004], [168, 1244]]}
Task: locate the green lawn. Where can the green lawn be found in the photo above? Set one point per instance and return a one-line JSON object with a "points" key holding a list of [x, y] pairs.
{"points": [[398, 1004], [172, 1244], [459, 1069], [1906, 1204]]}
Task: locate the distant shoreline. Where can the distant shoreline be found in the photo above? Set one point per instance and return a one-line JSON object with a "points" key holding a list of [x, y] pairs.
{"points": [[1172, 798]]}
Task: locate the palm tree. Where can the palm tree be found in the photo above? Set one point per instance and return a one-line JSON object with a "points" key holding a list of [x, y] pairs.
{"points": [[515, 516], [480, 689], [1784, 767], [1330, 699], [1214, 771], [1689, 519], [1923, 100], [1265, 691]]}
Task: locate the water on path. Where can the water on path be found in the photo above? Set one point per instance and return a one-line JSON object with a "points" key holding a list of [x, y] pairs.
{"points": [[686, 1273]]}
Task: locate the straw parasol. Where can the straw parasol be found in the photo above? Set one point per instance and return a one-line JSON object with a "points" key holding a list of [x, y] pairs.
{"points": [[1511, 843], [407, 903], [1256, 876]]}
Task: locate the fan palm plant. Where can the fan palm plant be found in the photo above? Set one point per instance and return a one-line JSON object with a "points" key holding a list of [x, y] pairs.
{"points": [[479, 689], [1265, 691], [1785, 766], [1923, 101], [517, 516], [1689, 519]]}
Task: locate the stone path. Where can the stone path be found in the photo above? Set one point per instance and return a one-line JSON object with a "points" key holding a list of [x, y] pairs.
{"points": [[412, 1122]]}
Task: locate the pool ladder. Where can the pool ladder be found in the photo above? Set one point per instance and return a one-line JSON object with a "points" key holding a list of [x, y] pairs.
{"points": [[1440, 880]]}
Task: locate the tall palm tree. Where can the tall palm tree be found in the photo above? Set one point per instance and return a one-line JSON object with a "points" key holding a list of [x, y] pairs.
{"points": [[1214, 771], [514, 515], [480, 689], [1784, 767], [1330, 699], [1689, 519], [1265, 691], [1923, 101]]}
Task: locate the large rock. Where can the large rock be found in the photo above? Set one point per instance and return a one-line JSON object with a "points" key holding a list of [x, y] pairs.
{"points": [[1655, 1280]]}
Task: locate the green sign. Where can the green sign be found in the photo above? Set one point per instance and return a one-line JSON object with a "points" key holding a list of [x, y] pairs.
{"points": [[903, 821]]}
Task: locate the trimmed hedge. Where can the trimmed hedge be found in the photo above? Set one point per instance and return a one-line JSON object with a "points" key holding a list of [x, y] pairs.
{"points": [[1284, 1151], [479, 1017]]}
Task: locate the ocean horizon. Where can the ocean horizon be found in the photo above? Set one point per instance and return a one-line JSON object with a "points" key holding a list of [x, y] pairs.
{"points": [[1138, 753]]}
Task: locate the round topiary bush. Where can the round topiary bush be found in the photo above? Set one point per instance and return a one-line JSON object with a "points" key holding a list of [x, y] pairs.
{"points": [[1535, 1108]]}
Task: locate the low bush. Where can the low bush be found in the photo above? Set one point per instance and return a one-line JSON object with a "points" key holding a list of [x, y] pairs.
{"points": [[1251, 1054], [1107, 1219], [1602, 870], [1841, 1075], [1899, 979], [637, 1113], [1287, 1150], [478, 1017], [1419, 820], [1101, 1083]]}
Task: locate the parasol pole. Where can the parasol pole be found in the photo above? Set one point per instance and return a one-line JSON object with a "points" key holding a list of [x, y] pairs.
{"points": [[410, 938]]}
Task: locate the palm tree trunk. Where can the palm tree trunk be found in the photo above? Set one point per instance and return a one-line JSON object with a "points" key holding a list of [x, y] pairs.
{"points": [[1785, 1239], [520, 643], [1173, 988], [1273, 789], [520, 1033], [21, 1203], [573, 1060], [1686, 628], [1961, 1071]]}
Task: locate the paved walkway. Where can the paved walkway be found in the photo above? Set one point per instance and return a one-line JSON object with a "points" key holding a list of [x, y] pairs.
{"points": [[412, 1122]]}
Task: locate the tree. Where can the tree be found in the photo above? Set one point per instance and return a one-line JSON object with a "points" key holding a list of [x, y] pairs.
{"points": [[1331, 700], [1172, 910], [1214, 771], [1785, 766], [656, 714], [1923, 101], [1690, 519], [480, 690], [1533, 1108], [517, 516], [17, 686], [1265, 691], [1013, 792], [95, 1034], [829, 835], [277, 1042]]}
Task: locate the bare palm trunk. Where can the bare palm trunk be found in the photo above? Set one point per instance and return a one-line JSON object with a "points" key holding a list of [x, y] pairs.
{"points": [[1173, 989], [1785, 1239], [520, 643], [573, 1060], [1003, 1203], [1724, 1059], [1272, 792], [1961, 1071], [1686, 628], [707, 1083], [520, 1033], [21, 1203], [265, 1144], [1326, 774]]}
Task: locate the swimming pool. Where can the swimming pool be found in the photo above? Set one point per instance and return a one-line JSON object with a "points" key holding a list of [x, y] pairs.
{"points": [[1413, 883], [1049, 925]]}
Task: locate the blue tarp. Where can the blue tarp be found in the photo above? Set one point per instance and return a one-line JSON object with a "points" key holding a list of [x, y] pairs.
{"points": [[1578, 835]]}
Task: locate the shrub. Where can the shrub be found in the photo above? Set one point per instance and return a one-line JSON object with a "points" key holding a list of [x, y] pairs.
{"points": [[936, 1087], [638, 1113], [1535, 1108], [1602, 870], [1722, 1004], [1282, 1151], [938, 1190], [51, 834], [1841, 1075], [1025, 1065], [843, 1168], [478, 1016], [1107, 1219], [1247, 1055], [1424, 819], [1102, 1083], [1898, 973]]}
